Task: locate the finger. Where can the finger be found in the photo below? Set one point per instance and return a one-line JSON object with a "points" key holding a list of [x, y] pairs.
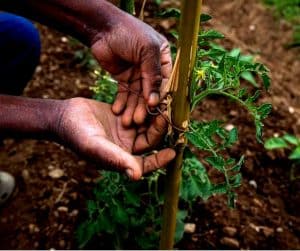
{"points": [[110, 155], [151, 74], [121, 99], [113, 157], [140, 112], [155, 161], [152, 137], [131, 105], [166, 68]]}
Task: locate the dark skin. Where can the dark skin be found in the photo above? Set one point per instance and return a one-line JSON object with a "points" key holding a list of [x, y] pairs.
{"points": [[136, 55]]}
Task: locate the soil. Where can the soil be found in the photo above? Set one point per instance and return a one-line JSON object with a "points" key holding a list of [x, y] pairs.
{"points": [[53, 182]]}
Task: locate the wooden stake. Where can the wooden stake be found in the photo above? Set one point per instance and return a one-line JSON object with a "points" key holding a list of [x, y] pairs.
{"points": [[180, 113]]}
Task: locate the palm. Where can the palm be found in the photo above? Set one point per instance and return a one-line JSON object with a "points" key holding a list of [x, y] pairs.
{"points": [[93, 130]]}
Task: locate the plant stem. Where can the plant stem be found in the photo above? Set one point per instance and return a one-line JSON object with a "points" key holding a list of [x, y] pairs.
{"points": [[188, 36], [128, 6]]}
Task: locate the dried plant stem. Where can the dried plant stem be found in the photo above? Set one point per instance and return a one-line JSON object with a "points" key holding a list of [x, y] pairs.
{"points": [[180, 112]]}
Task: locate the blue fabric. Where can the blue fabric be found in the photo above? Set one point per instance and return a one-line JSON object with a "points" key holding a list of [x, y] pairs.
{"points": [[19, 52]]}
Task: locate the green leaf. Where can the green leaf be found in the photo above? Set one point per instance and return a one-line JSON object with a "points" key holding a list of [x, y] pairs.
{"points": [[171, 12], [211, 34], [258, 127], [85, 233], [91, 208], [291, 139], [248, 76], [120, 215], [235, 52], [275, 143], [195, 182], [232, 136], [132, 198], [237, 166], [266, 80], [219, 188], [235, 181], [205, 17], [217, 162], [264, 110], [295, 154], [180, 217]]}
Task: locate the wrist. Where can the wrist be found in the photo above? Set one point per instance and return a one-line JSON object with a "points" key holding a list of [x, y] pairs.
{"points": [[30, 118]]}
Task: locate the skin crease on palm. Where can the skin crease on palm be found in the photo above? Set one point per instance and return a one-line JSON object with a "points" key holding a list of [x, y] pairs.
{"points": [[101, 133]]}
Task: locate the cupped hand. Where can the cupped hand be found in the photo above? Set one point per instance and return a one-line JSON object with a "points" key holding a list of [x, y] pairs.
{"points": [[91, 129], [139, 59]]}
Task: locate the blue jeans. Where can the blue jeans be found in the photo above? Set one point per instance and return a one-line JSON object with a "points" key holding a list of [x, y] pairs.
{"points": [[19, 53]]}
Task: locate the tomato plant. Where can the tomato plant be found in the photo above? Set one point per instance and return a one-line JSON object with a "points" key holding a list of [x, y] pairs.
{"points": [[123, 210]]}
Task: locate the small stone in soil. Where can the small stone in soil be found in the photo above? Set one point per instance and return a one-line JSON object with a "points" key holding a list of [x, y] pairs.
{"points": [[230, 231], [189, 228], [56, 173], [267, 231], [279, 230], [62, 243], [230, 242], [253, 183], [63, 209], [25, 174]]}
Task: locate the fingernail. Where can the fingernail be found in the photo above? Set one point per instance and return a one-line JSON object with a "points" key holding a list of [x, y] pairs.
{"points": [[153, 99], [129, 173]]}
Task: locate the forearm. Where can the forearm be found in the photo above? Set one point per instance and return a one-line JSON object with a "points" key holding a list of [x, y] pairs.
{"points": [[30, 118], [85, 20]]}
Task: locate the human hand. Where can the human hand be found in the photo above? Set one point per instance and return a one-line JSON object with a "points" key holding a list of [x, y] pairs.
{"points": [[90, 128], [139, 59]]}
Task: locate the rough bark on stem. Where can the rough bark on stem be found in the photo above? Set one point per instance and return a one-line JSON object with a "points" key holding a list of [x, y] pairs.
{"points": [[188, 37]]}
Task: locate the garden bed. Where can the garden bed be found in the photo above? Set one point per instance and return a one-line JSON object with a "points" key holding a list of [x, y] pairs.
{"points": [[54, 183]]}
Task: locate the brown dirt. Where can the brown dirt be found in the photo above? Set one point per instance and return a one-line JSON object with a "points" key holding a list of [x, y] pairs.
{"points": [[45, 211]]}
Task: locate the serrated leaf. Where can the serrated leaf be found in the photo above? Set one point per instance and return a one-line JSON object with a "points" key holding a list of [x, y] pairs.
{"points": [[235, 181], [275, 143], [219, 188], [266, 80], [211, 34], [196, 140], [232, 136], [264, 110], [295, 154], [195, 182], [217, 162], [254, 97], [205, 17], [291, 139], [237, 166], [248, 76]]}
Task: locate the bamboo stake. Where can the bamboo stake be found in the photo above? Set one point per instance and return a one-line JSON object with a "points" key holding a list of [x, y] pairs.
{"points": [[180, 112]]}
